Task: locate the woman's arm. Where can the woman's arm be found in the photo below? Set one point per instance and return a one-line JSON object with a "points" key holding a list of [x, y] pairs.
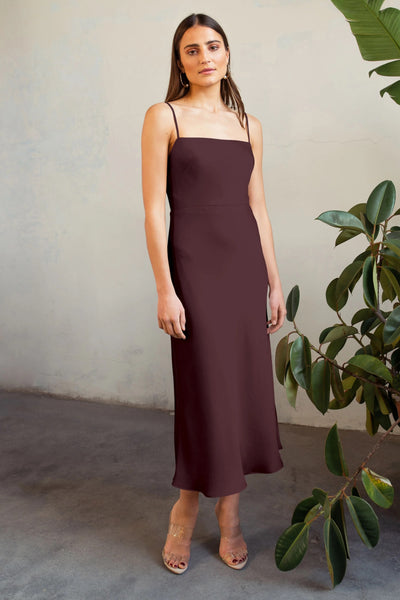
{"points": [[258, 206], [155, 141]]}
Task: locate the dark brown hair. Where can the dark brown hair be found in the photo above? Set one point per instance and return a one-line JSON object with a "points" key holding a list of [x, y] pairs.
{"points": [[229, 90]]}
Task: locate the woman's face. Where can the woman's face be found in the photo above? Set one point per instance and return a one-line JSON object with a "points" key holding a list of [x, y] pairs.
{"points": [[203, 48]]}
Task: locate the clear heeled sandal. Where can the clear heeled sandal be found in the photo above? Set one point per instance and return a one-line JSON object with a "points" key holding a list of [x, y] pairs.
{"points": [[236, 559], [182, 533]]}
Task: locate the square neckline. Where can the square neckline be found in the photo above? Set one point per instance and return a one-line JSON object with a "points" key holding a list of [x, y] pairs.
{"points": [[193, 137]]}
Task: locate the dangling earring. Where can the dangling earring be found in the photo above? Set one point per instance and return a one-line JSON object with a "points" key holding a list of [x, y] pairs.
{"points": [[180, 77], [228, 72]]}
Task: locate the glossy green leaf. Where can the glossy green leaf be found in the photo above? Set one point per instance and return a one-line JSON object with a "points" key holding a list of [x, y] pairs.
{"points": [[369, 364], [369, 396], [332, 299], [340, 218], [383, 420], [377, 340], [360, 211], [388, 292], [321, 385], [312, 513], [339, 331], [320, 495], [337, 514], [324, 333], [303, 508], [393, 280], [300, 361], [364, 519], [291, 387], [371, 423], [391, 330], [395, 360], [364, 18], [390, 69], [335, 347], [362, 315], [292, 303], [335, 551], [378, 488], [282, 358], [334, 457], [360, 395], [336, 384], [346, 235], [381, 202], [376, 32], [338, 403], [393, 90], [370, 282], [383, 401], [390, 259], [292, 546], [369, 324], [393, 247], [348, 381], [348, 276]]}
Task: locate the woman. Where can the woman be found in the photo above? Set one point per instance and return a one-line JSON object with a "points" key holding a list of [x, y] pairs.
{"points": [[212, 276]]}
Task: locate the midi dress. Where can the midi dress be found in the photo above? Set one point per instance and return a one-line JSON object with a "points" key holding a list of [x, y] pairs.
{"points": [[225, 421]]}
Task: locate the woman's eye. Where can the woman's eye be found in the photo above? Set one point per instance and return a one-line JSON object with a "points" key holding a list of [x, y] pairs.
{"points": [[194, 51]]}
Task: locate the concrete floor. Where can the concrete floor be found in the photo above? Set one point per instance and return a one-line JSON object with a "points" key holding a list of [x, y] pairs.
{"points": [[85, 497]]}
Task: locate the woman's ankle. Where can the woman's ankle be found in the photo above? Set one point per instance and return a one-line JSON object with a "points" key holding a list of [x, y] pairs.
{"points": [[185, 510]]}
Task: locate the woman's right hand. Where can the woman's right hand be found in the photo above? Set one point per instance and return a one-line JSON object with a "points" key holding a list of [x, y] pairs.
{"points": [[171, 315]]}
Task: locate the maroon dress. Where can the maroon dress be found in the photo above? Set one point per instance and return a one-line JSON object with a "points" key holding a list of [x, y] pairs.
{"points": [[225, 423]]}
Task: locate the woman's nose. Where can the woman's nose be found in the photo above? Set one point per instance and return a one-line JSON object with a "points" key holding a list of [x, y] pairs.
{"points": [[204, 56]]}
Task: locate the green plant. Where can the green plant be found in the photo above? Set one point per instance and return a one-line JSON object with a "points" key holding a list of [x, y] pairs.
{"points": [[378, 36], [370, 377]]}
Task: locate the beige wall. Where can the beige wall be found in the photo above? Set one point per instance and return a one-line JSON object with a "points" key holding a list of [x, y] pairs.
{"points": [[78, 302]]}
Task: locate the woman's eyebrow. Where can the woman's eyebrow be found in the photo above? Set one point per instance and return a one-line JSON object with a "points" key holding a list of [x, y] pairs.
{"points": [[210, 42]]}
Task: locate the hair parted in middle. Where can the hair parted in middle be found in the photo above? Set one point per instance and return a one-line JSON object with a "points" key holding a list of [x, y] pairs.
{"points": [[229, 91]]}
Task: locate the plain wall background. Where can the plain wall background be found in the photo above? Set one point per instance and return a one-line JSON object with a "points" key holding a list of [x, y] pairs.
{"points": [[78, 304]]}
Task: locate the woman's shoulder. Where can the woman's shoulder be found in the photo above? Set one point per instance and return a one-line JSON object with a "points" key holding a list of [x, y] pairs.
{"points": [[158, 118], [158, 109], [253, 121]]}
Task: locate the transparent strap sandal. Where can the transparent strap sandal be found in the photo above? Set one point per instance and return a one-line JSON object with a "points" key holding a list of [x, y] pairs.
{"points": [[236, 559], [177, 563]]}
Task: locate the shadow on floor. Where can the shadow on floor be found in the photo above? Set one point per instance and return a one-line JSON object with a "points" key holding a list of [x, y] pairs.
{"points": [[85, 499]]}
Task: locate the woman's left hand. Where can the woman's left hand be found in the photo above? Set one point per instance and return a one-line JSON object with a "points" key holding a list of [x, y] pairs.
{"points": [[278, 310]]}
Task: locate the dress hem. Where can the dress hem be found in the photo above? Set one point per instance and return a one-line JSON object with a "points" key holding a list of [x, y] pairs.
{"points": [[211, 494]]}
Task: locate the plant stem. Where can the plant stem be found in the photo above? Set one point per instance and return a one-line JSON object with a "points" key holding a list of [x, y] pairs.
{"points": [[360, 468], [334, 363], [369, 456]]}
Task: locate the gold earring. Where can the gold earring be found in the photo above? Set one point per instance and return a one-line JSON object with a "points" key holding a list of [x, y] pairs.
{"points": [[180, 77]]}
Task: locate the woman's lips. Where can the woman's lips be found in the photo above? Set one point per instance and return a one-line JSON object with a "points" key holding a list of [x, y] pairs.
{"points": [[207, 71]]}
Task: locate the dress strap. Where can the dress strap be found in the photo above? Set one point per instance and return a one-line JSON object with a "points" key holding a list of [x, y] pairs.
{"points": [[247, 125], [176, 122]]}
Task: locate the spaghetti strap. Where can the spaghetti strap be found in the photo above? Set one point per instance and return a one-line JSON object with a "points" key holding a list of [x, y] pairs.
{"points": [[176, 122], [247, 125]]}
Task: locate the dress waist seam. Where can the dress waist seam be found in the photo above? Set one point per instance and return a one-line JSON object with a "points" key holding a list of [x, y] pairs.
{"points": [[196, 206]]}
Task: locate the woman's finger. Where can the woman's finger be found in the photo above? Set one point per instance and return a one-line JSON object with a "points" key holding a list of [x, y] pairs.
{"points": [[177, 329]]}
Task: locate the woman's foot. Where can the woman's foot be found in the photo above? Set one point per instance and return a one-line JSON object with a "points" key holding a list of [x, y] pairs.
{"points": [[176, 551], [232, 547]]}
